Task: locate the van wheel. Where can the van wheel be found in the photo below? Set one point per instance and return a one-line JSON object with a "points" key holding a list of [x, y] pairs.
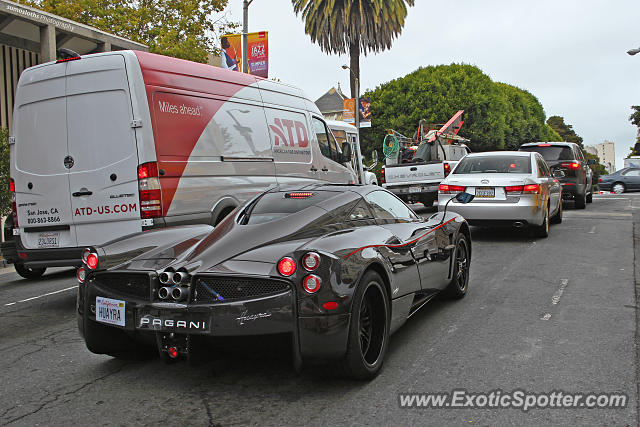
{"points": [[223, 215], [28, 272]]}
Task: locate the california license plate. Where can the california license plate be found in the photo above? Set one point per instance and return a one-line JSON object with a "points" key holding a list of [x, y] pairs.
{"points": [[110, 311], [48, 240], [485, 192], [415, 189]]}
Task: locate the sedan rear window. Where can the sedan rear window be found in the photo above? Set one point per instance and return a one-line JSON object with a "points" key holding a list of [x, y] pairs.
{"points": [[272, 206], [494, 164], [551, 152]]}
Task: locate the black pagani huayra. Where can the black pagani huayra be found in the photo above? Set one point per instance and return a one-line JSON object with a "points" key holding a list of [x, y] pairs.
{"points": [[337, 267]]}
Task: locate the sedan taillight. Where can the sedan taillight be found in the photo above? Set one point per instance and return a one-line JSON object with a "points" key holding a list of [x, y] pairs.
{"points": [[451, 189]]}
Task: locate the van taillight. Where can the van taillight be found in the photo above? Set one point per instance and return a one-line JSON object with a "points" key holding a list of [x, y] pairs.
{"points": [[383, 179], [150, 192], [14, 207]]}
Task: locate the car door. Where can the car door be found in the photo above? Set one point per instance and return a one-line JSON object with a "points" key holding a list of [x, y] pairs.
{"points": [[414, 250], [631, 179], [551, 185]]}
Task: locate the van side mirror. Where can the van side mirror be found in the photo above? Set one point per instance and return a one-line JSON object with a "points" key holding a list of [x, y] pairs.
{"points": [[591, 161], [374, 156], [557, 173], [347, 154]]}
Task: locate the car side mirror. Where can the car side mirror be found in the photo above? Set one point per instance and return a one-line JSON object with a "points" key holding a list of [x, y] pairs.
{"points": [[591, 161], [557, 173], [347, 154], [464, 197]]}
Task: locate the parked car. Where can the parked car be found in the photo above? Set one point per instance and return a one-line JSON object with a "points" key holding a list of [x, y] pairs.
{"points": [[577, 183], [339, 268], [512, 188], [627, 179], [111, 144]]}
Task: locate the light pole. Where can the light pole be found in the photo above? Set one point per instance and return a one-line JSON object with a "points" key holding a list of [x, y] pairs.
{"points": [[245, 31], [633, 51], [356, 112]]}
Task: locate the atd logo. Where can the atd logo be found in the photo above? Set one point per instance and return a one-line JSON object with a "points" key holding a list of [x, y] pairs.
{"points": [[285, 126]]}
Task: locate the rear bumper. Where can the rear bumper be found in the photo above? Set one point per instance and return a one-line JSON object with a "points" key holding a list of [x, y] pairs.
{"points": [[13, 252], [527, 210], [316, 337]]}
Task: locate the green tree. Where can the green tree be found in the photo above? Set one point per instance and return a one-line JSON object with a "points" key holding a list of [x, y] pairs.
{"points": [[565, 131], [497, 116], [180, 28], [5, 195], [635, 117], [353, 26]]}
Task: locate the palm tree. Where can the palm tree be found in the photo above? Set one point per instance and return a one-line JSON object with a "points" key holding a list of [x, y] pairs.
{"points": [[354, 26]]}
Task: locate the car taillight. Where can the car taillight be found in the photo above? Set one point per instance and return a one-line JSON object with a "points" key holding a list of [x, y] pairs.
{"points": [[81, 274], [513, 189], [150, 191], [311, 283], [531, 188], [92, 261], [447, 169], [383, 178], [599, 179], [311, 261], [451, 189], [302, 195], [544, 145], [570, 165], [85, 254], [287, 266], [14, 206]]}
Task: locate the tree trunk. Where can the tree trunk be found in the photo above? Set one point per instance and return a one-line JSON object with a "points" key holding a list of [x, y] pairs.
{"points": [[354, 57]]}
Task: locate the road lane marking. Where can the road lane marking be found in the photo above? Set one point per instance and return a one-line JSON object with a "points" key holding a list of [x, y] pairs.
{"points": [[41, 296], [593, 230], [546, 316], [555, 299], [614, 214]]}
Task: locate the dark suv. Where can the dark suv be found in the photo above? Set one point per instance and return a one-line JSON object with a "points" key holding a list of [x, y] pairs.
{"points": [[568, 157]]}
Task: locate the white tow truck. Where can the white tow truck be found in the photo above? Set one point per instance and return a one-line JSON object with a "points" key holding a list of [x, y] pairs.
{"points": [[415, 167]]}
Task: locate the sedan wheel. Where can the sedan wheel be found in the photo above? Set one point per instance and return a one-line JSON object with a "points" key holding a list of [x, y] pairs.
{"points": [[368, 329], [543, 229], [618, 188]]}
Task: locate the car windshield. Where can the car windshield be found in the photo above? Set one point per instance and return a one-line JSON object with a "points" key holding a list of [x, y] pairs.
{"points": [[272, 206], [551, 152], [494, 164]]}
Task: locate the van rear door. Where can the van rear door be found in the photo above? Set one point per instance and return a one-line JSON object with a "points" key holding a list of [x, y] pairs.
{"points": [[101, 138], [40, 154]]}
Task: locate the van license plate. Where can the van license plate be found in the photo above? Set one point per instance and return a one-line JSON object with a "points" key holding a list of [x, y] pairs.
{"points": [[110, 311], [485, 192], [48, 240]]}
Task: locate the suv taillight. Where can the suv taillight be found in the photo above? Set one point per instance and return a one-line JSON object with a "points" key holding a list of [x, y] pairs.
{"points": [[570, 165], [14, 207], [150, 192], [383, 179]]}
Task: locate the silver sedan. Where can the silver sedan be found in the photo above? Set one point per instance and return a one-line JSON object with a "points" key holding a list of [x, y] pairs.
{"points": [[511, 188]]}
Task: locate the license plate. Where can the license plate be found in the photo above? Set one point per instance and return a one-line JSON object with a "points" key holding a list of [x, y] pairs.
{"points": [[110, 311], [49, 240], [415, 189], [485, 192]]}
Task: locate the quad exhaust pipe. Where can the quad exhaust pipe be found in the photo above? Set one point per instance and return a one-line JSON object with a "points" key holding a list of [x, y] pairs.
{"points": [[166, 277], [176, 293], [176, 285]]}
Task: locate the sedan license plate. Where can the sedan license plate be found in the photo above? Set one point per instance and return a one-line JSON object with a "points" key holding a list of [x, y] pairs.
{"points": [[48, 240], [485, 192], [110, 311], [415, 189]]}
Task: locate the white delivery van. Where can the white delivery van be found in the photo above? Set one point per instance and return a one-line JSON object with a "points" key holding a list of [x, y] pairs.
{"points": [[107, 145], [345, 132]]}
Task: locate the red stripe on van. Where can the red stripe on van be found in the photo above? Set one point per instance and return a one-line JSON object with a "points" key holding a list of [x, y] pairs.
{"points": [[180, 100]]}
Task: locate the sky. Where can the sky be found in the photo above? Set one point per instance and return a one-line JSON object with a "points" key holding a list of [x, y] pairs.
{"points": [[570, 54]]}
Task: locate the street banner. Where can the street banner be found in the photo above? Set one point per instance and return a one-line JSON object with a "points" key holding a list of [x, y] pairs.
{"points": [[258, 47], [348, 111]]}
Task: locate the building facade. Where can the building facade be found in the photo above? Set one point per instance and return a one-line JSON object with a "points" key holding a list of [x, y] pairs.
{"points": [[30, 36], [331, 104], [606, 151]]}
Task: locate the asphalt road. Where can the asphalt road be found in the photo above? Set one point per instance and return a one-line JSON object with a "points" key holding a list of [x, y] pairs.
{"points": [[541, 315]]}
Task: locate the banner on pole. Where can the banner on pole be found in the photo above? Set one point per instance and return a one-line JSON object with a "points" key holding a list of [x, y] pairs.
{"points": [[348, 111], [258, 47]]}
